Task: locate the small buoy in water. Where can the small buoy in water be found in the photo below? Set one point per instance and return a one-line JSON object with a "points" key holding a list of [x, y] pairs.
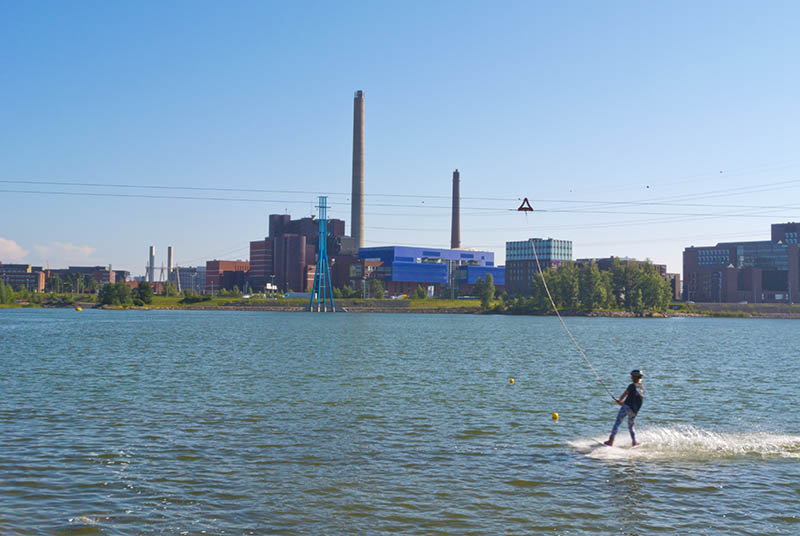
{"points": [[79, 308], [554, 416], [511, 380]]}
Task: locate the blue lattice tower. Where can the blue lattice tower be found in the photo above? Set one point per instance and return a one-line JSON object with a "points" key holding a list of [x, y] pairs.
{"points": [[322, 289]]}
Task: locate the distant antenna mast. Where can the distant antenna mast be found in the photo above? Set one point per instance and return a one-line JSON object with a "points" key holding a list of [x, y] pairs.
{"points": [[322, 289]]}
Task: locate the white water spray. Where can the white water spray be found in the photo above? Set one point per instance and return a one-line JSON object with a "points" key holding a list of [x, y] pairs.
{"points": [[683, 442]]}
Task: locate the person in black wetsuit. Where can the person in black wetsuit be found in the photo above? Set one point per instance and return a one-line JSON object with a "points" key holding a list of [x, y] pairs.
{"points": [[631, 400]]}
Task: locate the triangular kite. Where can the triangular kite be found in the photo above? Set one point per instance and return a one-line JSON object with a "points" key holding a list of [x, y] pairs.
{"points": [[525, 206]]}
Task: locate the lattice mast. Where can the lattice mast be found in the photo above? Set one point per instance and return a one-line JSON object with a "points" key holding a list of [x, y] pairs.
{"points": [[322, 290]]}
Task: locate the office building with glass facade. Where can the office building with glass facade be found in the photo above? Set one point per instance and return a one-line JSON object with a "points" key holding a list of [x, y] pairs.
{"points": [[521, 257]]}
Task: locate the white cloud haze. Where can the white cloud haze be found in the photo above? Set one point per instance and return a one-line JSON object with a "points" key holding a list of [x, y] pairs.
{"points": [[10, 251], [61, 254]]}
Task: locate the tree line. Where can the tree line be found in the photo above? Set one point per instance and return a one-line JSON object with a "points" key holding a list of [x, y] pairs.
{"points": [[120, 293], [630, 286]]}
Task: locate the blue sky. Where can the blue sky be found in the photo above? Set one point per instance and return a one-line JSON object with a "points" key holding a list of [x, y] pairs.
{"points": [[634, 128]]}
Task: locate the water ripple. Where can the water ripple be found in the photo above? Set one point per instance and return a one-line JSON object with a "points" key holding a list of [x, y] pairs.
{"points": [[242, 423]]}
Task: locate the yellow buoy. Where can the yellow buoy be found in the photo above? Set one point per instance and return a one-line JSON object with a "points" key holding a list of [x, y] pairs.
{"points": [[555, 416], [511, 380], [79, 308]]}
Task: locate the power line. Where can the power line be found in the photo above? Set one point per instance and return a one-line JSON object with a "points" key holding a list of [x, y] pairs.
{"points": [[245, 190]]}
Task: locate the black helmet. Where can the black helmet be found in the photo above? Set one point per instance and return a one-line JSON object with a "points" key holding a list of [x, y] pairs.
{"points": [[636, 373]]}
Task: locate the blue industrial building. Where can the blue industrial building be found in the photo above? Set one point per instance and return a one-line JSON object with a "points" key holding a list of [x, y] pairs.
{"points": [[405, 268]]}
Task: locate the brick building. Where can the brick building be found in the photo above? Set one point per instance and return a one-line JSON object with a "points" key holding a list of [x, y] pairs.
{"points": [[262, 266], [287, 258], [23, 275], [754, 272], [102, 274], [217, 276]]}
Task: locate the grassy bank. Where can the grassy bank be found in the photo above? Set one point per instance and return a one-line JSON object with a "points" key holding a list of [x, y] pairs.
{"points": [[429, 305]]}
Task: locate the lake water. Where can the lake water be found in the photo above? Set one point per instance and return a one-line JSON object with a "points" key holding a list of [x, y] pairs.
{"points": [[182, 422]]}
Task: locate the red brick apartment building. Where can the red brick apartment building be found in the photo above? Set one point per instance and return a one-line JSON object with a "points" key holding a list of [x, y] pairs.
{"points": [[225, 274]]}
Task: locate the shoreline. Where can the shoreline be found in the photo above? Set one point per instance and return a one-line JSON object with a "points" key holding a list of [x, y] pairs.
{"points": [[707, 310]]}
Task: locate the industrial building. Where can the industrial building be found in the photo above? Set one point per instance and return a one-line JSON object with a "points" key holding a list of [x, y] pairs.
{"points": [[226, 274], [287, 257], [402, 269], [102, 274], [521, 265], [191, 278], [23, 275], [754, 272], [35, 278]]}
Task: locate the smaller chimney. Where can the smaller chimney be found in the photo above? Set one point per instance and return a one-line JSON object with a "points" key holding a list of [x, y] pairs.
{"points": [[455, 229], [151, 268], [169, 260]]}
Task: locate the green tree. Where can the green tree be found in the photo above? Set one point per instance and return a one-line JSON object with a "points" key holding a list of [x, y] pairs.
{"points": [[567, 286], [637, 305], [619, 282], [6, 293], [109, 294], [115, 294], [23, 293], [170, 289], [656, 291], [420, 293], [375, 289], [54, 284], [92, 285], [477, 288], [124, 293], [144, 292], [539, 302], [592, 291], [487, 291]]}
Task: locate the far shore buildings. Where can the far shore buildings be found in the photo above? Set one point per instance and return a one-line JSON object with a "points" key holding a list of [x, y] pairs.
{"points": [[765, 271], [30, 277], [521, 267], [36, 278], [441, 272]]}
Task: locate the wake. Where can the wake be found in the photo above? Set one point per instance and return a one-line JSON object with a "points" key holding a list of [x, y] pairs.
{"points": [[684, 442]]}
